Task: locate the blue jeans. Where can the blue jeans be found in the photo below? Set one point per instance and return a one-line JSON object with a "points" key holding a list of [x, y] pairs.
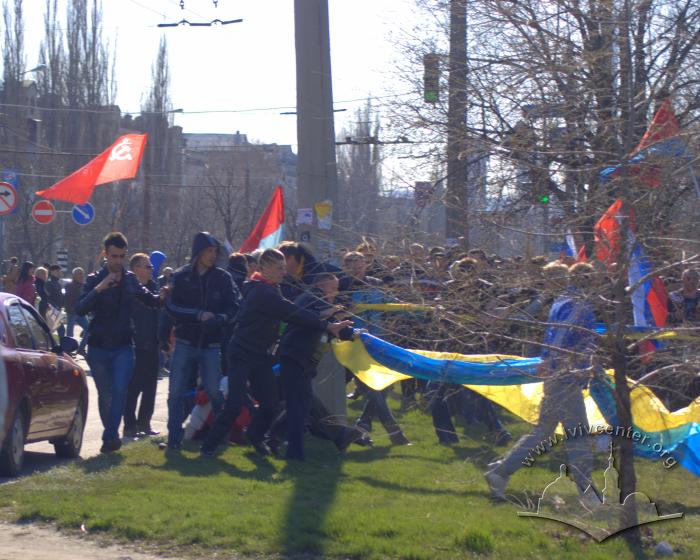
{"points": [[112, 371], [82, 322], [184, 361]]}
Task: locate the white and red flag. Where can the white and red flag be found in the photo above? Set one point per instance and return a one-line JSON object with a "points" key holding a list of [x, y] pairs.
{"points": [[269, 230], [119, 161]]}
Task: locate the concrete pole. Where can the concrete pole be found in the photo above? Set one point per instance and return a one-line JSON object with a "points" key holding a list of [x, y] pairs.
{"points": [[316, 166], [456, 201]]}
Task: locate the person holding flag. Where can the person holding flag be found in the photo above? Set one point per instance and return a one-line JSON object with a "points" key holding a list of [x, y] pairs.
{"points": [[252, 346], [203, 300]]}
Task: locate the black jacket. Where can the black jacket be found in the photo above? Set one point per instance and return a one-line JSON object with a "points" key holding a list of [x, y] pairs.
{"points": [[262, 310], [111, 310], [54, 292], [72, 296], [302, 342], [192, 294], [145, 321]]}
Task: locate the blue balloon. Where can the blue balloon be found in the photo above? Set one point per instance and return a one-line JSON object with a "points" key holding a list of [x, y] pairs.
{"points": [[157, 259]]}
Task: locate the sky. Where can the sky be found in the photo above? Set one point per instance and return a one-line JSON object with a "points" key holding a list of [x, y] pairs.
{"points": [[246, 68]]}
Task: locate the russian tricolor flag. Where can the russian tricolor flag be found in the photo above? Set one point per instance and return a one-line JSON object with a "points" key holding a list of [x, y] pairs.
{"points": [[269, 230], [649, 298]]}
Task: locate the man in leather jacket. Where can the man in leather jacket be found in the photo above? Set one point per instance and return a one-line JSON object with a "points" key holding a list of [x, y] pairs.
{"points": [[202, 301], [108, 296]]}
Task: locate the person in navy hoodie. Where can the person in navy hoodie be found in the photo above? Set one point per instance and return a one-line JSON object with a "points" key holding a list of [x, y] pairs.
{"points": [[202, 301], [252, 347]]}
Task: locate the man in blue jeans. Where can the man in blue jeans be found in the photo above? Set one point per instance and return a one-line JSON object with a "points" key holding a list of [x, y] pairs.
{"points": [[203, 300], [109, 295]]}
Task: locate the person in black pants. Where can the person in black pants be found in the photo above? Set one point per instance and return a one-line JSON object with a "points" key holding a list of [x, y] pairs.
{"points": [[146, 355], [250, 351], [299, 354]]}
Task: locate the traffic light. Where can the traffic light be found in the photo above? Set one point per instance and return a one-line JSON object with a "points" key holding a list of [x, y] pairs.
{"points": [[543, 199], [431, 78]]}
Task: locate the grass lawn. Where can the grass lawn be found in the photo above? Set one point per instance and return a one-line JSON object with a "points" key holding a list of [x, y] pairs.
{"points": [[422, 501]]}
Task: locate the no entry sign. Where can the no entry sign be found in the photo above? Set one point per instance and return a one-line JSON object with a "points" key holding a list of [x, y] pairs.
{"points": [[8, 198], [43, 212]]}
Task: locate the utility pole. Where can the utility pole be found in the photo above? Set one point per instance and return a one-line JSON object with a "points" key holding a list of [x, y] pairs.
{"points": [[316, 167], [456, 196]]}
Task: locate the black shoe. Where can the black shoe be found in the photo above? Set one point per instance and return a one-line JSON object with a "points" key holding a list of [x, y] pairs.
{"points": [[111, 446], [206, 453], [261, 447], [364, 441], [148, 431], [399, 438], [174, 446], [503, 437], [349, 436], [130, 432]]}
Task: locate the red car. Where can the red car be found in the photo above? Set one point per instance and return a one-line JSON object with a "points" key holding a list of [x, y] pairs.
{"points": [[43, 392]]}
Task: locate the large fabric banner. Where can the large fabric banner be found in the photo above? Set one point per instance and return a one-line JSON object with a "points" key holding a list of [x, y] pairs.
{"points": [[511, 382]]}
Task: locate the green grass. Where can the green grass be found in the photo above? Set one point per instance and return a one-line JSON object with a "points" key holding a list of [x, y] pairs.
{"points": [[423, 501]]}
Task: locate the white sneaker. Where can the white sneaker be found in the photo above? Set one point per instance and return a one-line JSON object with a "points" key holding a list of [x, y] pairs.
{"points": [[497, 485]]}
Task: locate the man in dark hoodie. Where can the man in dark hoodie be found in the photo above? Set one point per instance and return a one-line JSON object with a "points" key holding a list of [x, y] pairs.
{"points": [[202, 301], [251, 350], [146, 355], [108, 295]]}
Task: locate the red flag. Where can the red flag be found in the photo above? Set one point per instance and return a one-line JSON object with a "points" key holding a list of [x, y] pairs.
{"points": [[663, 126], [607, 234], [269, 230], [119, 161]]}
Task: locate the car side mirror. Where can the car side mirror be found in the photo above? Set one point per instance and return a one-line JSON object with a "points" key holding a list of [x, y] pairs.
{"points": [[69, 345]]}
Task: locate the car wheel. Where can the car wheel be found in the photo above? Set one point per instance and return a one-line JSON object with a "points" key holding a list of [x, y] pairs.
{"points": [[69, 447], [12, 452]]}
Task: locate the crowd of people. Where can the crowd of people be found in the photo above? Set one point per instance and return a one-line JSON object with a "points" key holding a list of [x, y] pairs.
{"points": [[262, 322]]}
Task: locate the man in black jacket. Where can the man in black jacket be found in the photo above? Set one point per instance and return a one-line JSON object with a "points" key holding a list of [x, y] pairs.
{"points": [[251, 350], [203, 300], [146, 355], [108, 295]]}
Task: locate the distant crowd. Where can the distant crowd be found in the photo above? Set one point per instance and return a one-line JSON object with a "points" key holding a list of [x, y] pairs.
{"points": [[241, 343]]}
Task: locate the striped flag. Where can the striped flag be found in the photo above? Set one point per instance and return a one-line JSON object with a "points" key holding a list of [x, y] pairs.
{"points": [[269, 230]]}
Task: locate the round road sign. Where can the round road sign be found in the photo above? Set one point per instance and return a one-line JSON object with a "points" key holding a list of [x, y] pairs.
{"points": [[43, 212], [8, 198], [83, 214]]}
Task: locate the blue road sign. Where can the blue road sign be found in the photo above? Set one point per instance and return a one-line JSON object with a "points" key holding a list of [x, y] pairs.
{"points": [[83, 214]]}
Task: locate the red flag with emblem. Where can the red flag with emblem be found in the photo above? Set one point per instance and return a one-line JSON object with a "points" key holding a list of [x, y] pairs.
{"points": [[120, 161]]}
